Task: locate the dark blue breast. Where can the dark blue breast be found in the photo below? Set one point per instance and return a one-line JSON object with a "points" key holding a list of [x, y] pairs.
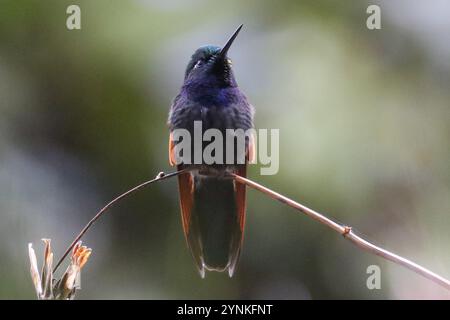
{"points": [[216, 108], [220, 108]]}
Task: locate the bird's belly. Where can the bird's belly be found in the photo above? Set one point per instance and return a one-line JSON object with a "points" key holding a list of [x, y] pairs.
{"points": [[198, 120]]}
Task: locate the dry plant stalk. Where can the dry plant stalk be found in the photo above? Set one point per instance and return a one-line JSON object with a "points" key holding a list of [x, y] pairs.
{"points": [[47, 288], [160, 176], [347, 232], [66, 287]]}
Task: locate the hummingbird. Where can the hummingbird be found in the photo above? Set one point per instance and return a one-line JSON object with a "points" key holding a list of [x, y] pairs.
{"points": [[213, 207]]}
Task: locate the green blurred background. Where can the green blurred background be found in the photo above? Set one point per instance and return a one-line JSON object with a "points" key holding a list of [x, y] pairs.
{"points": [[364, 119]]}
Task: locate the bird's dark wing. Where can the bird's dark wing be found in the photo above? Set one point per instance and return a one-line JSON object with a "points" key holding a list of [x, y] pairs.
{"points": [[241, 205]]}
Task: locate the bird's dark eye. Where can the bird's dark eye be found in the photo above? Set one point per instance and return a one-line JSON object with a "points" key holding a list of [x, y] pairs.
{"points": [[201, 62], [198, 64]]}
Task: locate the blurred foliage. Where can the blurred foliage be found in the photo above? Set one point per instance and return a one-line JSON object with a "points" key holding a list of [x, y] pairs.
{"points": [[364, 137]]}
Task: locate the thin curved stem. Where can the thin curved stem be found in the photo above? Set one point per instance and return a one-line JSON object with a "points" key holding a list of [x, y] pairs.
{"points": [[347, 232], [159, 177]]}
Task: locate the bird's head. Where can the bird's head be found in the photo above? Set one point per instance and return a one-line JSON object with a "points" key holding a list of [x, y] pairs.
{"points": [[211, 64]]}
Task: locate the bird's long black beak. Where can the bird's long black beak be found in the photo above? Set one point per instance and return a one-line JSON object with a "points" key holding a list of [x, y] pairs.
{"points": [[223, 52]]}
